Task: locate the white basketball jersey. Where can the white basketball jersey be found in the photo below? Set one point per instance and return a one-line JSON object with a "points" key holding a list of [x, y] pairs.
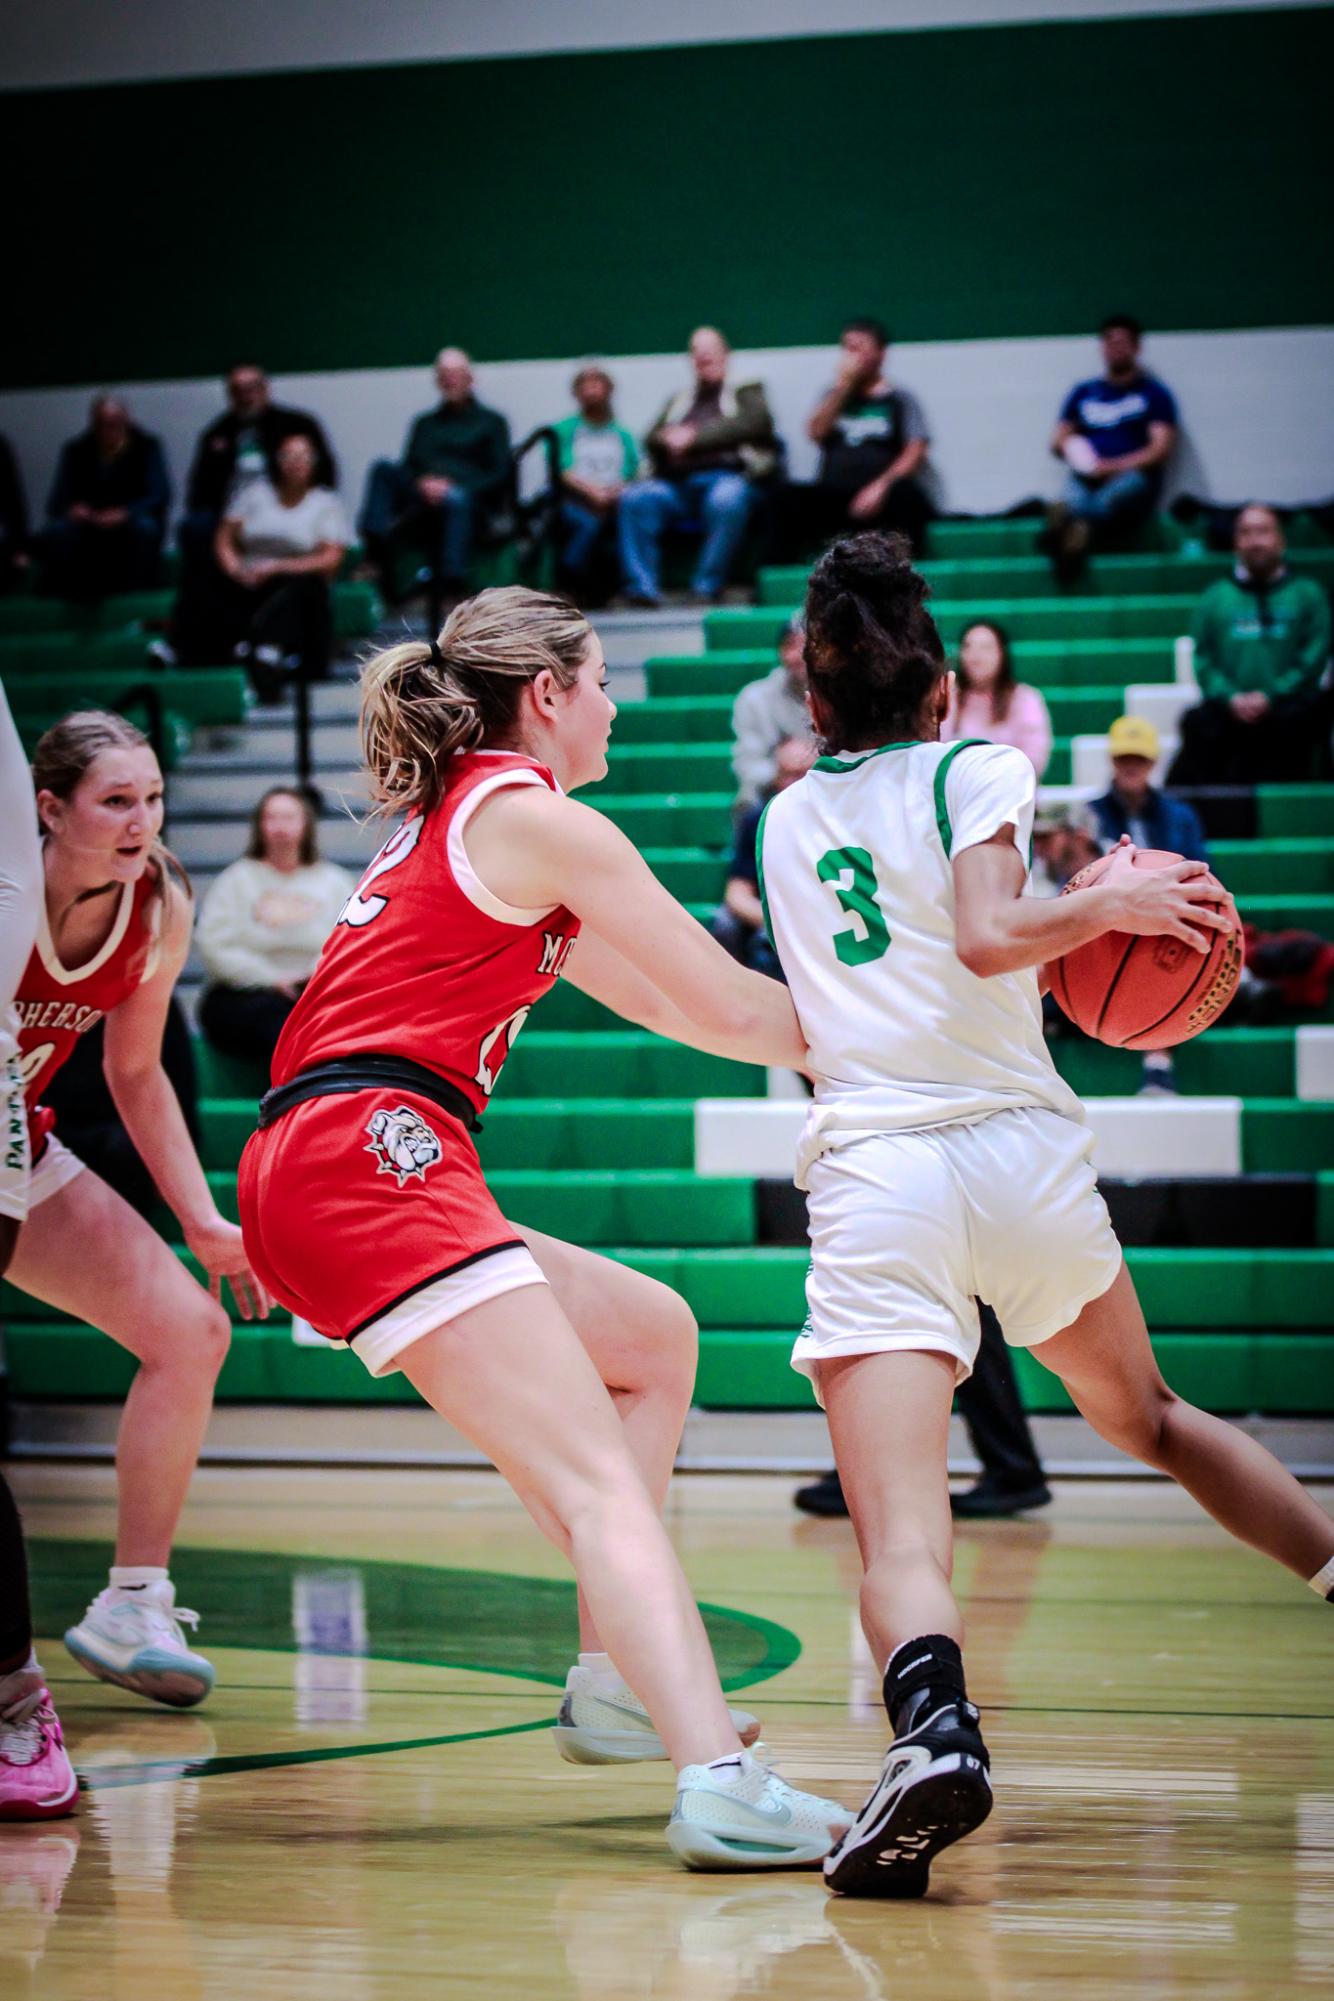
{"points": [[856, 879]]}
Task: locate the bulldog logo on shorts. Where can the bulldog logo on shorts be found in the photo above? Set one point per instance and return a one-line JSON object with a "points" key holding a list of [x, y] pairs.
{"points": [[403, 1144]]}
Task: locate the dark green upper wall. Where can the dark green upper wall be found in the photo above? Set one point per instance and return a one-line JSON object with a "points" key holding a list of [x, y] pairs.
{"points": [[967, 184]]}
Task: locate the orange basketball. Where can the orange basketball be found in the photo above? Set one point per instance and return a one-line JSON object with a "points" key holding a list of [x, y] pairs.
{"points": [[1145, 993]]}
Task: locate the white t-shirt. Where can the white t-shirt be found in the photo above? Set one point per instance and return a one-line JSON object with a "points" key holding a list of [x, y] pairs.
{"points": [[259, 926], [267, 528], [856, 877]]}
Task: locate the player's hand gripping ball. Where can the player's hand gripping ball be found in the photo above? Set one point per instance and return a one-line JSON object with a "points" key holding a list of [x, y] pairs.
{"points": [[1146, 993]]}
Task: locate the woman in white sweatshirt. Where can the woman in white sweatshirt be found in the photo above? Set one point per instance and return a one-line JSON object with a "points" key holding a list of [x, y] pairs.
{"points": [[263, 924]]}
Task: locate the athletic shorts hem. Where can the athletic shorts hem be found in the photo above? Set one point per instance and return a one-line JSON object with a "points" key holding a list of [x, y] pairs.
{"points": [[1033, 1337], [53, 1170], [808, 1351], [480, 1279]]}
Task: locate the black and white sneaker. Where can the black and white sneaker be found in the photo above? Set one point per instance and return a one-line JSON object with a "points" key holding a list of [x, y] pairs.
{"points": [[934, 1788]]}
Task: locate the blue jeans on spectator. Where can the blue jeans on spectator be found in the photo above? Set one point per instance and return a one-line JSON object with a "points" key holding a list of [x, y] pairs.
{"points": [[1126, 498], [584, 529], [89, 563], [393, 508], [716, 504]]}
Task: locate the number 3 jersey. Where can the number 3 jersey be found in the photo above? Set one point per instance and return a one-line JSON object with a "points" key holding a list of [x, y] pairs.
{"points": [[424, 962], [856, 877]]}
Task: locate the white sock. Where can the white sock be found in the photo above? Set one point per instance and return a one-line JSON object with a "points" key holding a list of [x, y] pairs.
{"points": [[135, 1576], [734, 1766], [30, 1666], [599, 1664], [1323, 1581]]}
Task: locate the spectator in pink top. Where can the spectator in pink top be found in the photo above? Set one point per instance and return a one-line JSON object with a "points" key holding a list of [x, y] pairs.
{"points": [[990, 703]]}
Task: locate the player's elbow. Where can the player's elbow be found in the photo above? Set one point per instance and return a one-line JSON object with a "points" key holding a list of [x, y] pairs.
{"points": [[979, 952]]}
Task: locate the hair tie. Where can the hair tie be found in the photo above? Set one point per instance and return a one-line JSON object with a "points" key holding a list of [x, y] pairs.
{"points": [[437, 657]]}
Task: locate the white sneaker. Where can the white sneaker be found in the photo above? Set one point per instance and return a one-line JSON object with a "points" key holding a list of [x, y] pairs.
{"points": [[134, 1638], [602, 1722], [754, 1820]]}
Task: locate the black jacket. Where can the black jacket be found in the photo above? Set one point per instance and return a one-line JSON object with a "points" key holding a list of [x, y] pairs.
{"points": [[214, 463]]}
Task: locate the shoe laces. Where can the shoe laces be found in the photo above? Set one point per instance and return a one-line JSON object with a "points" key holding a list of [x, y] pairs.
{"points": [[23, 1732]]}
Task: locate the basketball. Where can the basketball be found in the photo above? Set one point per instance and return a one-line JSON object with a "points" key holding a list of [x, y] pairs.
{"points": [[1145, 993]]}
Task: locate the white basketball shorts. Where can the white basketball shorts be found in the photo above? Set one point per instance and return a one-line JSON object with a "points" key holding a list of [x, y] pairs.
{"points": [[909, 1230]]}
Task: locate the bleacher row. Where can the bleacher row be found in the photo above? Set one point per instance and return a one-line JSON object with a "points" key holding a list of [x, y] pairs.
{"points": [[679, 1163]]}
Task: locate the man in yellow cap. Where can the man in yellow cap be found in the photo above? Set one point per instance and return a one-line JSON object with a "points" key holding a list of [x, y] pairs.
{"points": [[1134, 805]]}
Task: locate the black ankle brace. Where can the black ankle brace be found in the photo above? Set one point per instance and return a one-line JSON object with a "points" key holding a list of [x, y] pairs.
{"points": [[922, 1675]]}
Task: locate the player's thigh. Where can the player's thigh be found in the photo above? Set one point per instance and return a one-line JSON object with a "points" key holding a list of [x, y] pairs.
{"points": [[889, 1417], [1106, 1361], [86, 1252], [635, 1330], [516, 1379]]}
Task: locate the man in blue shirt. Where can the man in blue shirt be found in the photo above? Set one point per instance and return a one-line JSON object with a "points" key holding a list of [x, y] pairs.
{"points": [[1115, 435]]}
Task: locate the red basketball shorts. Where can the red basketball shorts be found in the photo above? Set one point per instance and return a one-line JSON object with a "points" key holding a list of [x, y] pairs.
{"points": [[367, 1214]]}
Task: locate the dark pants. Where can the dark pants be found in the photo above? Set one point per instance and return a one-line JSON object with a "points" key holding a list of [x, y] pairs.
{"points": [[990, 1406], [1288, 745], [750, 945], [15, 1613], [215, 615], [588, 568], [394, 516], [80, 561], [245, 1021], [806, 516]]}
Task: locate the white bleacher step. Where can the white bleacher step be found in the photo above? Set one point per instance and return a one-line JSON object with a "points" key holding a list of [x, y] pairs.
{"points": [[1132, 1136], [209, 790], [210, 841], [1315, 1062], [1091, 767], [270, 742], [1162, 703]]}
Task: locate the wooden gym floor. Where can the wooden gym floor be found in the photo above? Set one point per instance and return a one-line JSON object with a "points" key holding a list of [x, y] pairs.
{"points": [[368, 1809]]}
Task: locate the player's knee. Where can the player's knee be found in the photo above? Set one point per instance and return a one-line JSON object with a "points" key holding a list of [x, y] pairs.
{"points": [[1139, 1427], [210, 1336], [675, 1348]]}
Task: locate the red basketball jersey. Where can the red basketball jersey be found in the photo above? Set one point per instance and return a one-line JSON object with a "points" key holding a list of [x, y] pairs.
{"points": [[57, 1004], [424, 962]]}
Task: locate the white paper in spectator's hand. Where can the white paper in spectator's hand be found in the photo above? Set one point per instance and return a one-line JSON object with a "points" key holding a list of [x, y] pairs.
{"points": [[1079, 453]]}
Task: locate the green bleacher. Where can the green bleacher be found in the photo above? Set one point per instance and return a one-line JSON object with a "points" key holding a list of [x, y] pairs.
{"points": [[593, 1134]]}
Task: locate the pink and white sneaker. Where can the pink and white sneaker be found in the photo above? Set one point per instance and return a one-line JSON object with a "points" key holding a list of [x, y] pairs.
{"points": [[37, 1781]]}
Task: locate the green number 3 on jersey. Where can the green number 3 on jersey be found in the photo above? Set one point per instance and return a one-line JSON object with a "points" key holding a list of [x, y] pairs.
{"points": [[852, 873]]}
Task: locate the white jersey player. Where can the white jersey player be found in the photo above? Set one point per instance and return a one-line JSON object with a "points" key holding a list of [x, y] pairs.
{"points": [[946, 1161]]}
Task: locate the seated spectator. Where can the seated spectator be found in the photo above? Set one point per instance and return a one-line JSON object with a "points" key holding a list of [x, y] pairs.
{"points": [[262, 927], [738, 923], [1115, 434], [766, 713], [598, 457], [108, 509], [14, 555], [455, 470], [873, 444], [1262, 641], [1062, 846], [989, 702], [1152, 819], [90, 1124], [265, 598], [709, 445], [241, 445]]}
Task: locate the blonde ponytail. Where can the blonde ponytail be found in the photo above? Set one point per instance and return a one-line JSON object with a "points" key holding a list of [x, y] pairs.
{"points": [[425, 699]]}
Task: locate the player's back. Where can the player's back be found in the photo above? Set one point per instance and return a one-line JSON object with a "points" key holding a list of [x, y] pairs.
{"points": [[857, 880]]}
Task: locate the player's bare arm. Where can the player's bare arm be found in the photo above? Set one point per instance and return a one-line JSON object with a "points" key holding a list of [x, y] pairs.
{"points": [[153, 1118], [1000, 930], [533, 848]]}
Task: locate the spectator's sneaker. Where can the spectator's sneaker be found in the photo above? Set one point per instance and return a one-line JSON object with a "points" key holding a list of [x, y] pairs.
{"points": [[989, 1500], [933, 1789], [37, 1781], [737, 1814], [823, 1497], [602, 1722], [1158, 1079], [162, 653], [134, 1638]]}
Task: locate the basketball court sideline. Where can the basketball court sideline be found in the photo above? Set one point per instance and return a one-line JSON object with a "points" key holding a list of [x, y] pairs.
{"points": [[369, 1803]]}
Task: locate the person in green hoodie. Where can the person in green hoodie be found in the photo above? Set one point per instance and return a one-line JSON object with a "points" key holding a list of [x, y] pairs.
{"points": [[1262, 640]]}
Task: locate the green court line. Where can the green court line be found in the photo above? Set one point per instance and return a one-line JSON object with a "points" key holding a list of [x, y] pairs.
{"points": [[154, 1771]]}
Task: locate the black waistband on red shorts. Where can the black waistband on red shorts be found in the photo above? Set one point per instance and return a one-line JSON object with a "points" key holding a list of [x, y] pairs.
{"points": [[368, 1072]]}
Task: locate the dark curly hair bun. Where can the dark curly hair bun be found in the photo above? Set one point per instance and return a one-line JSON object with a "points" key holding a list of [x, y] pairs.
{"points": [[872, 647]]}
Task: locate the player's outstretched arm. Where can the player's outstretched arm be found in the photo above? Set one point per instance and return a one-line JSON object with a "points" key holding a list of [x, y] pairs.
{"points": [[997, 929], [143, 1096], [640, 952]]}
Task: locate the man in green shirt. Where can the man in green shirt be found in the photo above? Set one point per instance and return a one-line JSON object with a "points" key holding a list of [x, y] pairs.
{"points": [[598, 457], [455, 471], [1262, 641]]}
